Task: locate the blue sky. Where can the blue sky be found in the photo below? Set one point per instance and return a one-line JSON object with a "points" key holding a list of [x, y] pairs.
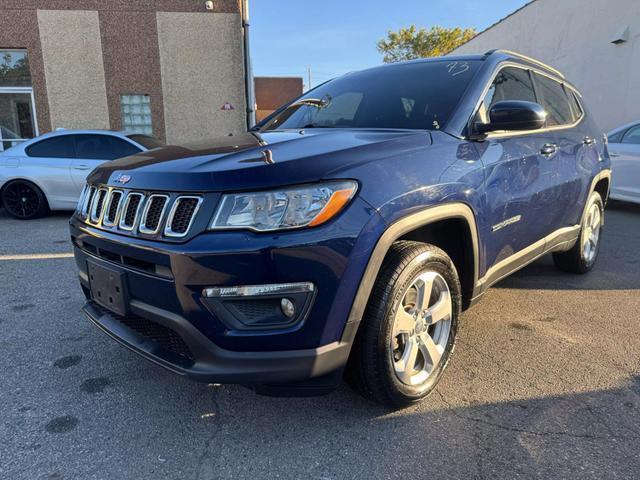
{"points": [[337, 36]]}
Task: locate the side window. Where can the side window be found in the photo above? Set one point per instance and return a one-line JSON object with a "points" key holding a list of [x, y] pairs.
{"points": [[632, 135], [511, 83], [554, 101], [576, 108], [56, 147], [103, 147]]}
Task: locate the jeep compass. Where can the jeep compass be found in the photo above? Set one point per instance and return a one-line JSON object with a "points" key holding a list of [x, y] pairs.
{"points": [[345, 233]]}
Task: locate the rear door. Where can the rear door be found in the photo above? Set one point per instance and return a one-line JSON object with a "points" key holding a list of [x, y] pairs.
{"points": [[47, 162], [625, 164], [577, 149], [95, 149], [521, 181]]}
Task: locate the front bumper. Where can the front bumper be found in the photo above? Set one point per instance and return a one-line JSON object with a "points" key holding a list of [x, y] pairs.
{"points": [[203, 360]]}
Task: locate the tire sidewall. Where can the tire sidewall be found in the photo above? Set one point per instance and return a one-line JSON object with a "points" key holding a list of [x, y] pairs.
{"points": [[425, 261]]}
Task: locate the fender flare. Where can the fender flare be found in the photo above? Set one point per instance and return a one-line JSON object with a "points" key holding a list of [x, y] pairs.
{"points": [[601, 175], [396, 230]]}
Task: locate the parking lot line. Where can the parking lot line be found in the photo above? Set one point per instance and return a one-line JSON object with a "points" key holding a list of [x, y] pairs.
{"points": [[35, 256]]}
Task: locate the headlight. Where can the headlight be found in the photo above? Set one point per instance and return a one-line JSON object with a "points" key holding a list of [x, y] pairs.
{"points": [[304, 206]]}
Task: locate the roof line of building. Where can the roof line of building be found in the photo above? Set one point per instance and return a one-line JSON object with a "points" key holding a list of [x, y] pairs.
{"points": [[495, 23]]}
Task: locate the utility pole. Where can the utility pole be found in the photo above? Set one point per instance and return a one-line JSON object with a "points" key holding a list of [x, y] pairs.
{"points": [[309, 78]]}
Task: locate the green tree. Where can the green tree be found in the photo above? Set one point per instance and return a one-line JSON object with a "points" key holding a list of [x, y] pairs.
{"points": [[411, 42]]}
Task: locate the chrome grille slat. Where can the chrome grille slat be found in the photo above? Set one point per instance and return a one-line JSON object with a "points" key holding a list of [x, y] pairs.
{"points": [[178, 222], [112, 208], [98, 203], [130, 211], [153, 213], [87, 202]]}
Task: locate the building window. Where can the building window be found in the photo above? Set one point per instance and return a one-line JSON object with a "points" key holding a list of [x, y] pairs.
{"points": [[136, 114], [17, 113]]}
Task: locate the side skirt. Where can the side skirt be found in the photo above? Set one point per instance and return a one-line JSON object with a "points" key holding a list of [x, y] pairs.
{"points": [[558, 241]]}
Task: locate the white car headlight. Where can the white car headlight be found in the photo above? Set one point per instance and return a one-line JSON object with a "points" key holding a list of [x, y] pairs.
{"points": [[295, 207]]}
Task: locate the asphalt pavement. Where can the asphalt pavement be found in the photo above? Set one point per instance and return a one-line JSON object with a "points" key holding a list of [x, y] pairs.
{"points": [[544, 383]]}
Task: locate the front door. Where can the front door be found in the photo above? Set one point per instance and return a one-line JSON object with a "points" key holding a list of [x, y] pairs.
{"points": [[522, 182]]}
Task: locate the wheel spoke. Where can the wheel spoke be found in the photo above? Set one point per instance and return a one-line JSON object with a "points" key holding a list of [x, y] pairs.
{"points": [[404, 322], [424, 285], [430, 351], [405, 367], [441, 310]]}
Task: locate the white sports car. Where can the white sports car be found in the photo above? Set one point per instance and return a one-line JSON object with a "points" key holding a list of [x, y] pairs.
{"points": [[624, 149], [49, 172]]}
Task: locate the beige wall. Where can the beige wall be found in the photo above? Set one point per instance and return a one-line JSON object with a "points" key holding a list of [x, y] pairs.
{"points": [[575, 37], [201, 61], [74, 71]]}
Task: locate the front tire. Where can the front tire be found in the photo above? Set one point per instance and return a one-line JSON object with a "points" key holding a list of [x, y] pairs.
{"points": [[582, 257], [408, 331], [24, 200]]}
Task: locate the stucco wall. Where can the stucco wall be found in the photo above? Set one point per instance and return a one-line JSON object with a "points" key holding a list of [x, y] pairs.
{"points": [[201, 61], [575, 37], [73, 66]]}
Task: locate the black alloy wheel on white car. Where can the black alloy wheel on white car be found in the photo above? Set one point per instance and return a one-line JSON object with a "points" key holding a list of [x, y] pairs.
{"points": [[24, 200]]}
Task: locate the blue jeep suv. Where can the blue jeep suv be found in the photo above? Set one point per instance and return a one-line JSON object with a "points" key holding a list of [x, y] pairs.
{"points": [[346, 232]]}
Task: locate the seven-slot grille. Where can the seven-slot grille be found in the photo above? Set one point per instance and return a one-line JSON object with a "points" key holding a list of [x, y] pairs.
{"points": [[138, 212]]}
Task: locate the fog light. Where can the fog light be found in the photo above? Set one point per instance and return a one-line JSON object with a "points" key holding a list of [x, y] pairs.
{"points": [[288, 308]]}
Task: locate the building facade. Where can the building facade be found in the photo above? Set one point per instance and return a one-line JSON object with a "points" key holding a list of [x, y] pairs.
{"points": [[595, 43], [273, 92], [172, 68]]}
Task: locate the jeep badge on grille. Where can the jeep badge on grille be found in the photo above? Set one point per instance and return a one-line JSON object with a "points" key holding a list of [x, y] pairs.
{"points": [[122, 178]]}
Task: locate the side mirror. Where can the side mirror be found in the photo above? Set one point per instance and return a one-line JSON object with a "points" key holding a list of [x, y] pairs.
{"points": [[514, 115]]}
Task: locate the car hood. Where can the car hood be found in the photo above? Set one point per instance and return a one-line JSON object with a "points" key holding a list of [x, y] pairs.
{"points": [[256, 160]]}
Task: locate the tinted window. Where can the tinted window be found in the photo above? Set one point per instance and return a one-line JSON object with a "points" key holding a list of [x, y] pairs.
{"points": [[103, 147], [510, 84], [554, 100], [576, 108], [56, 147], [147, 141], [418, 95], [632, 135]]}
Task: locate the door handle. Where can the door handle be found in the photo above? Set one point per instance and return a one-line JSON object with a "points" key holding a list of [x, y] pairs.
{"points": [[614, 154], [548, 149], [589, 141], [82, 166]]}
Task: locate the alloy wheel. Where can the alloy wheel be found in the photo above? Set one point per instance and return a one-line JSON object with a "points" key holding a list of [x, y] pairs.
{"points": [[21, 200], [421, 328], [591, 234]]}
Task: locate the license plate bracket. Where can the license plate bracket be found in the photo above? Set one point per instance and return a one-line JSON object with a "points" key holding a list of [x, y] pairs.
{"points": [[107, 287]]}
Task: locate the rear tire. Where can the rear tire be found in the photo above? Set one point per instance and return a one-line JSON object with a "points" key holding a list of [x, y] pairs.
{"points": [[24, 200], [583, 255], [408, 330]]}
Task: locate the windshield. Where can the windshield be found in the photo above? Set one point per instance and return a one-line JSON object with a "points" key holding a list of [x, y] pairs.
{"points": [[418, 95]]}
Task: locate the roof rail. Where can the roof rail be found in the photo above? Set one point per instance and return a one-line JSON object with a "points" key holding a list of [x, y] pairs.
{"points": [[524, 57]]}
